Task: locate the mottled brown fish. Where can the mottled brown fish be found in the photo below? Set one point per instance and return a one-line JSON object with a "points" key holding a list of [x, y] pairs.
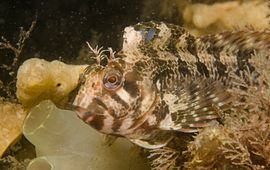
{"points": [[165, 81]]}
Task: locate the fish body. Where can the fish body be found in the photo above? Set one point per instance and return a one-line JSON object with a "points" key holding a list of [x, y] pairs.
{"points": [[164, 81]]}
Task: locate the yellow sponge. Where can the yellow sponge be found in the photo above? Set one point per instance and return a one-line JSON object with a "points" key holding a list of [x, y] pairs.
{"points": [[38, 79]]}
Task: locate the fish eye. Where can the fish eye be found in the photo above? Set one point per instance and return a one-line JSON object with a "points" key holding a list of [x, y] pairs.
{"points": [[112, 79]]}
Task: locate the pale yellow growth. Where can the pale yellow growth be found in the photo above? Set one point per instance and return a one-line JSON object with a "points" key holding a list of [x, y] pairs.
{"points": [[64, 142], [11, 120], [203, 19], [38, 80]]}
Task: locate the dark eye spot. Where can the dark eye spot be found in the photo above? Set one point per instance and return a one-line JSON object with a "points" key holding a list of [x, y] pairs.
{"points": [[112, 79], [58, 84]]}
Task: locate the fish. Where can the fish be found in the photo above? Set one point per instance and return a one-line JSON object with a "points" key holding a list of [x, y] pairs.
{"points": [[165, 81]]}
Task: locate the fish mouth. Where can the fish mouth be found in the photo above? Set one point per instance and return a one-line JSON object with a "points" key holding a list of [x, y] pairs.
{"points": [[96, 107], [83, 113]]}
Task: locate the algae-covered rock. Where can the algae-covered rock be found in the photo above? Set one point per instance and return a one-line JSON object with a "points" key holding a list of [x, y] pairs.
{"points": [[38, 79]]}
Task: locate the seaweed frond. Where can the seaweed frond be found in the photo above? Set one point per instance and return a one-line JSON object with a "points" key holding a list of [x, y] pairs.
{"points": [[17, 49], [164, 158], [8, 87]]}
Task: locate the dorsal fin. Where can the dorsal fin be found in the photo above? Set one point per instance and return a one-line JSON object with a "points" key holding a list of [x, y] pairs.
{"points": [[195, 104]]}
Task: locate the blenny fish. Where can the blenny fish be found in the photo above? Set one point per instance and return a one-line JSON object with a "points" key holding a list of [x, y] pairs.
{"points": [[165, 81]]}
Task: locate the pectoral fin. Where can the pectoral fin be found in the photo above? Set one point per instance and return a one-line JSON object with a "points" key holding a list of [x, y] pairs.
{"points": [[195, 105]]}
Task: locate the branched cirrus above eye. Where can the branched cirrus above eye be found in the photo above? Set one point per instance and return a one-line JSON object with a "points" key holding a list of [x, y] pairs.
{"points": [[112, 79]]}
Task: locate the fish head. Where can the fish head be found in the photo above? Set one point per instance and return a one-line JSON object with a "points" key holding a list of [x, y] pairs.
{"points": [[112, 98]]}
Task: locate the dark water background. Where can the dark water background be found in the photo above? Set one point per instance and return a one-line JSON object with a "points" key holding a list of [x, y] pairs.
{"points": [[64, 25]]}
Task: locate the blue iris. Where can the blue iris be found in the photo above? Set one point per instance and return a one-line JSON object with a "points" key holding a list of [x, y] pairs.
{"points": [[150, 34]]}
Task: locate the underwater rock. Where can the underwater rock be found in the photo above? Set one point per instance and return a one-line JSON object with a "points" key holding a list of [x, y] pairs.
{"points": [[38, 79], [11, 121], [63, 141], [204, 19]]}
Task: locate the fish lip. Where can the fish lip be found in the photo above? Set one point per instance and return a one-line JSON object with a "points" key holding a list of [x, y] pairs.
{"points": [[82, 113]]}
